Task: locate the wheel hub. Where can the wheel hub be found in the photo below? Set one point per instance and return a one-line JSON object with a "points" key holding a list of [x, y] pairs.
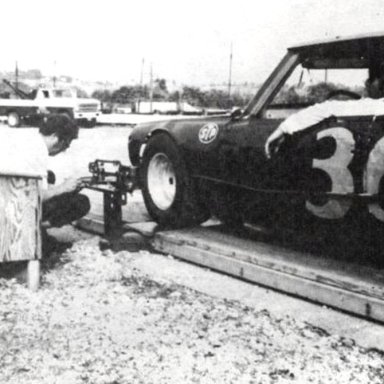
{"points": [[161, 181]]}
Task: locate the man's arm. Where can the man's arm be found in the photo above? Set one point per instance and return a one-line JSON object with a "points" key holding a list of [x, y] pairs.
{"points": [[299, 121], [68, 186]]}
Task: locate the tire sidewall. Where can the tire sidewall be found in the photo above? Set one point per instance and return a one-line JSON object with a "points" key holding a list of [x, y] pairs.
{"points": [[162, 143]]}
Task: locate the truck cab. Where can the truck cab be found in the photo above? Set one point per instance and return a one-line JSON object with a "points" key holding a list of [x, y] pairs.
{"points": [[29, 107], [59, 100], [46, 93]]}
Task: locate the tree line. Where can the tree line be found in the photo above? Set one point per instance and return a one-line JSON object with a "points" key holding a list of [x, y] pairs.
{"points": [[216, 98], [195, 96]]}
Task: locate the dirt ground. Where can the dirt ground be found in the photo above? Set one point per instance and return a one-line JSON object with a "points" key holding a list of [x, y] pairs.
{"points": [[100, 317]]}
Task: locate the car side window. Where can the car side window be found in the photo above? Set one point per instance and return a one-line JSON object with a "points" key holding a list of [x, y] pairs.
{"points": [[306, 87]]}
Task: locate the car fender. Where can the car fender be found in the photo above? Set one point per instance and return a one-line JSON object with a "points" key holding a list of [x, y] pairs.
{"points": [[196, 137]]}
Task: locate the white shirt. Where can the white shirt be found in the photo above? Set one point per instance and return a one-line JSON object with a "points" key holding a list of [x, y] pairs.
{"points": [[23, 152], [319, 112]]}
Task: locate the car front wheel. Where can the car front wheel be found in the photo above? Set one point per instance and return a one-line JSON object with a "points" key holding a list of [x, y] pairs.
{"points": [[169, 192]]}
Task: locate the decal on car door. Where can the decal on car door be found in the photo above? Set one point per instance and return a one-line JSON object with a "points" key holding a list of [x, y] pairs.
{"points": [[337, 169], [373, 176], [208, 133]]}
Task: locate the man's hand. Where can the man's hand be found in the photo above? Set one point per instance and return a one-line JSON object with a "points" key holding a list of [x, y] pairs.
{"points": [[267, 148], [71, 185], [68, 186], [273, 143]]}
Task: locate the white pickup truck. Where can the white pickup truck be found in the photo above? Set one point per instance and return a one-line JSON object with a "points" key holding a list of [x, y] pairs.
{"points": [[29, 108]]}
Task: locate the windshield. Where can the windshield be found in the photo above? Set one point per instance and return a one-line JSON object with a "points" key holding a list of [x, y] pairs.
{"points": [[312, 74], [62, 93], [309, 86], [305, 87]]}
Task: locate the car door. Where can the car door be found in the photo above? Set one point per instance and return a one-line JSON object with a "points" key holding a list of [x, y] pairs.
{"points": [[242, 157]]}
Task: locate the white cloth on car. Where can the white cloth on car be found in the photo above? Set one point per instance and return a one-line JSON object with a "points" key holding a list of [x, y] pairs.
{"points": [[321, 111]]}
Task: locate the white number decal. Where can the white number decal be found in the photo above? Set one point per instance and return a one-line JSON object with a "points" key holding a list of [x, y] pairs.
{"points": [[373, 175], [337, 169]]}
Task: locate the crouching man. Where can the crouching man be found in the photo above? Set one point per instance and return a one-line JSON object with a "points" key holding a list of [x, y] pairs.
{"points": [[62, 203], [26, 152]]}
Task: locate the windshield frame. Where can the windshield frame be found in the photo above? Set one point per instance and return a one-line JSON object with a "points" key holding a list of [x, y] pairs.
{"points": [[273, 84]]}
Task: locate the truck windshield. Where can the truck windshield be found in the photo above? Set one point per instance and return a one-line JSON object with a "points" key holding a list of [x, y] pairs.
{"points": [[62, 93]]}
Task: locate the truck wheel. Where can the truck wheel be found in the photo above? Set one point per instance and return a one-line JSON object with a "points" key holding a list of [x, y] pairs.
{"points": [[92, 123], [169, 192], [88, 123], [67, 114], [13, 119]]}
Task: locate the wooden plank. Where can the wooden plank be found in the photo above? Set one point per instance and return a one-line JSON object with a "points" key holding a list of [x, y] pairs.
{"points": [[302, 275], [94, 223], [91, 223], [133, 213], [344, 275], [20, 218], [146, 228]]}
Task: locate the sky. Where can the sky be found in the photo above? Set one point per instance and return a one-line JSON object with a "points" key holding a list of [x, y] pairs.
{"points": [[185, 42]]}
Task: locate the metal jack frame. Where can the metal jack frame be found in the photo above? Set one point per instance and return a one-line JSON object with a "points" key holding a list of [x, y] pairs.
{"points": [[114, 180]]}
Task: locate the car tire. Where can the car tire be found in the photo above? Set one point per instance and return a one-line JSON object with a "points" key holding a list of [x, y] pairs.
{"points": [[170, 194], [14, 119]]}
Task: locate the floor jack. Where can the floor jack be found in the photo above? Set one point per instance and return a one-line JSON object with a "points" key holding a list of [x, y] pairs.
{"points": [[114, 180]]}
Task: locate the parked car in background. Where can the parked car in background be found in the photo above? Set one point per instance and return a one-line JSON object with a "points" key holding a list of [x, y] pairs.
{"points": [[165, 108]]}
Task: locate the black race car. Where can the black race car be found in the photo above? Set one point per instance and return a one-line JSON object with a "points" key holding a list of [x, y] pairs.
{"points": [[193, 168]]}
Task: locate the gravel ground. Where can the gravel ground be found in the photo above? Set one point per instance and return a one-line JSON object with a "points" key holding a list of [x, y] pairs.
{"points": [[96, 319]]}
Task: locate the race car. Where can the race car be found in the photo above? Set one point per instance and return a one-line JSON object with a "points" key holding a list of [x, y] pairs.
{"points": [[193, 168]]}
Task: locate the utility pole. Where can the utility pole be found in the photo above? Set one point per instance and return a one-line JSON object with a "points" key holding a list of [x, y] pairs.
{"points": [[16, 76], [141, 73], [230, 76], [151, 90], [54, 74], [137, 108]]}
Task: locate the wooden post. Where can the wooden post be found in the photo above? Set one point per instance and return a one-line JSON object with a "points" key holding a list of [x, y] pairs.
{"points": [[20, 222], [33, 274]]}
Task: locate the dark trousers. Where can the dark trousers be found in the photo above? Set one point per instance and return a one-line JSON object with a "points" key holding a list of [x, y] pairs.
{"points": [[64, 209]]}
